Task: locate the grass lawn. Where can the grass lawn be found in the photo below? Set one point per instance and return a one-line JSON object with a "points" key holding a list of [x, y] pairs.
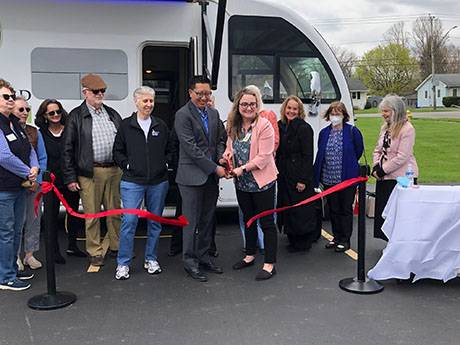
{"points": [[414, 110], [436, 150]]}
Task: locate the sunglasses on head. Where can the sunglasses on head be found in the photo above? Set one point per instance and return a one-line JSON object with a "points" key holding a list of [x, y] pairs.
{"points": [[98, 91], [7, 96], [22, 109], [54, 112]]}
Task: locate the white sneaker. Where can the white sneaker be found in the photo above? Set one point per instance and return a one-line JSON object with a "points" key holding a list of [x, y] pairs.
{"points": [[122, 272], [152, 267], [32, 262], [20, 265]]}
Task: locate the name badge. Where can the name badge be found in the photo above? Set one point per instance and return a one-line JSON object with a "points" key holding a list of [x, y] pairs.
{"points": [[11, 137], [155, 133]]}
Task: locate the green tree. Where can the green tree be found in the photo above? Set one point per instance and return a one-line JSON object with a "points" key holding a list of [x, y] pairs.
{"points": [[388, 69]]}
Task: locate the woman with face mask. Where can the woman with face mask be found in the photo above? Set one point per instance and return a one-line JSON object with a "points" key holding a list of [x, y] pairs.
{"points": [[340, 145], [393, 154]]}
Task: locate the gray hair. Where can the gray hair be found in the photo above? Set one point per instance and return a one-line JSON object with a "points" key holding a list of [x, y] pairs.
{"points": [[399, 116], [258, 95], [397, 105], [143, 90]]}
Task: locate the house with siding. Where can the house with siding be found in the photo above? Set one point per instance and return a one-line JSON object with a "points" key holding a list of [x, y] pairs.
{"points": [[358, 92], [446, 85]]}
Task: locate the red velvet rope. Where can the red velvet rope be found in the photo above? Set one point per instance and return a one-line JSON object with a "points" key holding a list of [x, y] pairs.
{"points": [[49, 186], [340, 186]]}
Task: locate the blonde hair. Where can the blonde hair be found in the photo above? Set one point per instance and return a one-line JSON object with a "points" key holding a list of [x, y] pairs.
{"points": [[235, 120], [284, 105], [398, 116]]}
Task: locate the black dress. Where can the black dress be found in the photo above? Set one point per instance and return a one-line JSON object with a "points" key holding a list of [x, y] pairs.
{"points": [[294, 160]]}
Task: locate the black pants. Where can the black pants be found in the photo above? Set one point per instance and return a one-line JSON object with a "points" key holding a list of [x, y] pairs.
{"points": [[198, 205], [252, 204], [341, 213], [73, 199], [176, 232]]}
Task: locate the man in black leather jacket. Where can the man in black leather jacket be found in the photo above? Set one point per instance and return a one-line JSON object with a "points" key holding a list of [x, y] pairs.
{"points": [[88, 165]]}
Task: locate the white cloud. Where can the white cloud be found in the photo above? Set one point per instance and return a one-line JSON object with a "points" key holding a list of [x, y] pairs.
{"points": [[359, 25]]}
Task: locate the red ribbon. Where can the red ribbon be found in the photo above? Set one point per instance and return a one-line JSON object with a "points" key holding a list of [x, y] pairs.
{"points": [[49, 186], [340, 186]]}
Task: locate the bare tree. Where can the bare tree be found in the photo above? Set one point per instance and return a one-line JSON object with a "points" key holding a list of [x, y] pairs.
{"points": [[453, 53], [397, 34], [428, 31], [347, 60]]}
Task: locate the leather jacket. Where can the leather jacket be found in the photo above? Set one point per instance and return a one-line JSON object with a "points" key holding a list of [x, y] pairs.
{"points": [[77, 154]]}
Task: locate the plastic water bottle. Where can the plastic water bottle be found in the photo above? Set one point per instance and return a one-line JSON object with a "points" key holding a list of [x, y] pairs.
{"points": [[410, 175]]}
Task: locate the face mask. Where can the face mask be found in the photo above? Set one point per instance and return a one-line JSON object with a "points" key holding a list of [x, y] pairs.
{"points": [[336, 120]]}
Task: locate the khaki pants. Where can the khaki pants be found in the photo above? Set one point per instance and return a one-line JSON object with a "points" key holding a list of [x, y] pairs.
{"points": [[102, 189]]}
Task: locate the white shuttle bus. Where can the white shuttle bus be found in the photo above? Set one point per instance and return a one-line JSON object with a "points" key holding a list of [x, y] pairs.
{"points": [[46, 46]]}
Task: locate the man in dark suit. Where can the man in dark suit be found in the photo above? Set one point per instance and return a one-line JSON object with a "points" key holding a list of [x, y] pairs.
{"points": [[202, 140]]}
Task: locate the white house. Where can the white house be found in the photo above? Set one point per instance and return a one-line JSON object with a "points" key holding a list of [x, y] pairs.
{"points": [[358, 93], [446, 85]]}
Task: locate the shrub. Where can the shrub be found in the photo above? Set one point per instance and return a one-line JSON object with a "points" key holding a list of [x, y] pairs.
{"points": [[450, 101]]}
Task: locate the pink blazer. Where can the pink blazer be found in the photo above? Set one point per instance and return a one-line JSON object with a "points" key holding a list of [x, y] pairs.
{"points": [[400, 153], [261, 159]]}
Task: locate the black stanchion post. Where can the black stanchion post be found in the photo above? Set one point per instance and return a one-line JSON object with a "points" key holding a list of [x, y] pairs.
{"points": [[52, 299], [361, 284]]}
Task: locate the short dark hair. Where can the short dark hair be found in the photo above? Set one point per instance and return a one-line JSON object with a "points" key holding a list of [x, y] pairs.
{"points": [[40, 119], [4, 83], [339, 107], [198, 79]]}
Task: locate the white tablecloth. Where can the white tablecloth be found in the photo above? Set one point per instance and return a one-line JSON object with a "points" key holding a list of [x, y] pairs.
{"points": [[423, 228]]}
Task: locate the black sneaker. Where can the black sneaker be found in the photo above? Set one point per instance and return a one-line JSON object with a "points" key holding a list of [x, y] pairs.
{"points": [[23, 275], [15, 285]]}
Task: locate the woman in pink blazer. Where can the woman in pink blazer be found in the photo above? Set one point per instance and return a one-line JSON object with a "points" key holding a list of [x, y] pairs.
{"points": [[393, 154], [250, 148]]}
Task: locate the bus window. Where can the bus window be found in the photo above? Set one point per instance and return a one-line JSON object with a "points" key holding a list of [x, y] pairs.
{"points": [[274, 55], [295, 77], [253, 70]]}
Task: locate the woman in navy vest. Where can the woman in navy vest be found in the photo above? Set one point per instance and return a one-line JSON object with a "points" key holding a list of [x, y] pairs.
{"points": [[340, 145], [18, 163]]}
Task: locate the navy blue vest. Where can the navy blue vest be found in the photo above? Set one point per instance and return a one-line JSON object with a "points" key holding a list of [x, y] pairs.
{"points": [[19, 147]]}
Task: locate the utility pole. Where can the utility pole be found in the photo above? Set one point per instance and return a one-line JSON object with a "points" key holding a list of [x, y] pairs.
{"points": [[432, 61]]}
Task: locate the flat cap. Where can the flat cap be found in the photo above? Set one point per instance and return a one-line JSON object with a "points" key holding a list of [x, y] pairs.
{"points": [[93, 82]]}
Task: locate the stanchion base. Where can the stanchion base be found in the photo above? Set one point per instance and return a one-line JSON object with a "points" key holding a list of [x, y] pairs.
{"points": [[353, 285], [49, 302]]}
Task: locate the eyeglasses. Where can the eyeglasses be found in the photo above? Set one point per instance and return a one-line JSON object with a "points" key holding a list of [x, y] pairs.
{"points": [[7, 96], [22, 109], [202, 94], [98, 91], [248, 105], [54, 112]]}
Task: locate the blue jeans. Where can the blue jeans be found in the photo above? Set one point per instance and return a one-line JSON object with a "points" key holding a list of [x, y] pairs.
{"points": [[12, 218], [132, 195]]}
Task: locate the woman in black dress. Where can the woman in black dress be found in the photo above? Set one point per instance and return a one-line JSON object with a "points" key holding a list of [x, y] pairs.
{"points": [[51, 119], [294, 160]]}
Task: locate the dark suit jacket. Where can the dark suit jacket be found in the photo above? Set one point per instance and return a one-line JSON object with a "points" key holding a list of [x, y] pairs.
{"points": [[198, 152]]}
